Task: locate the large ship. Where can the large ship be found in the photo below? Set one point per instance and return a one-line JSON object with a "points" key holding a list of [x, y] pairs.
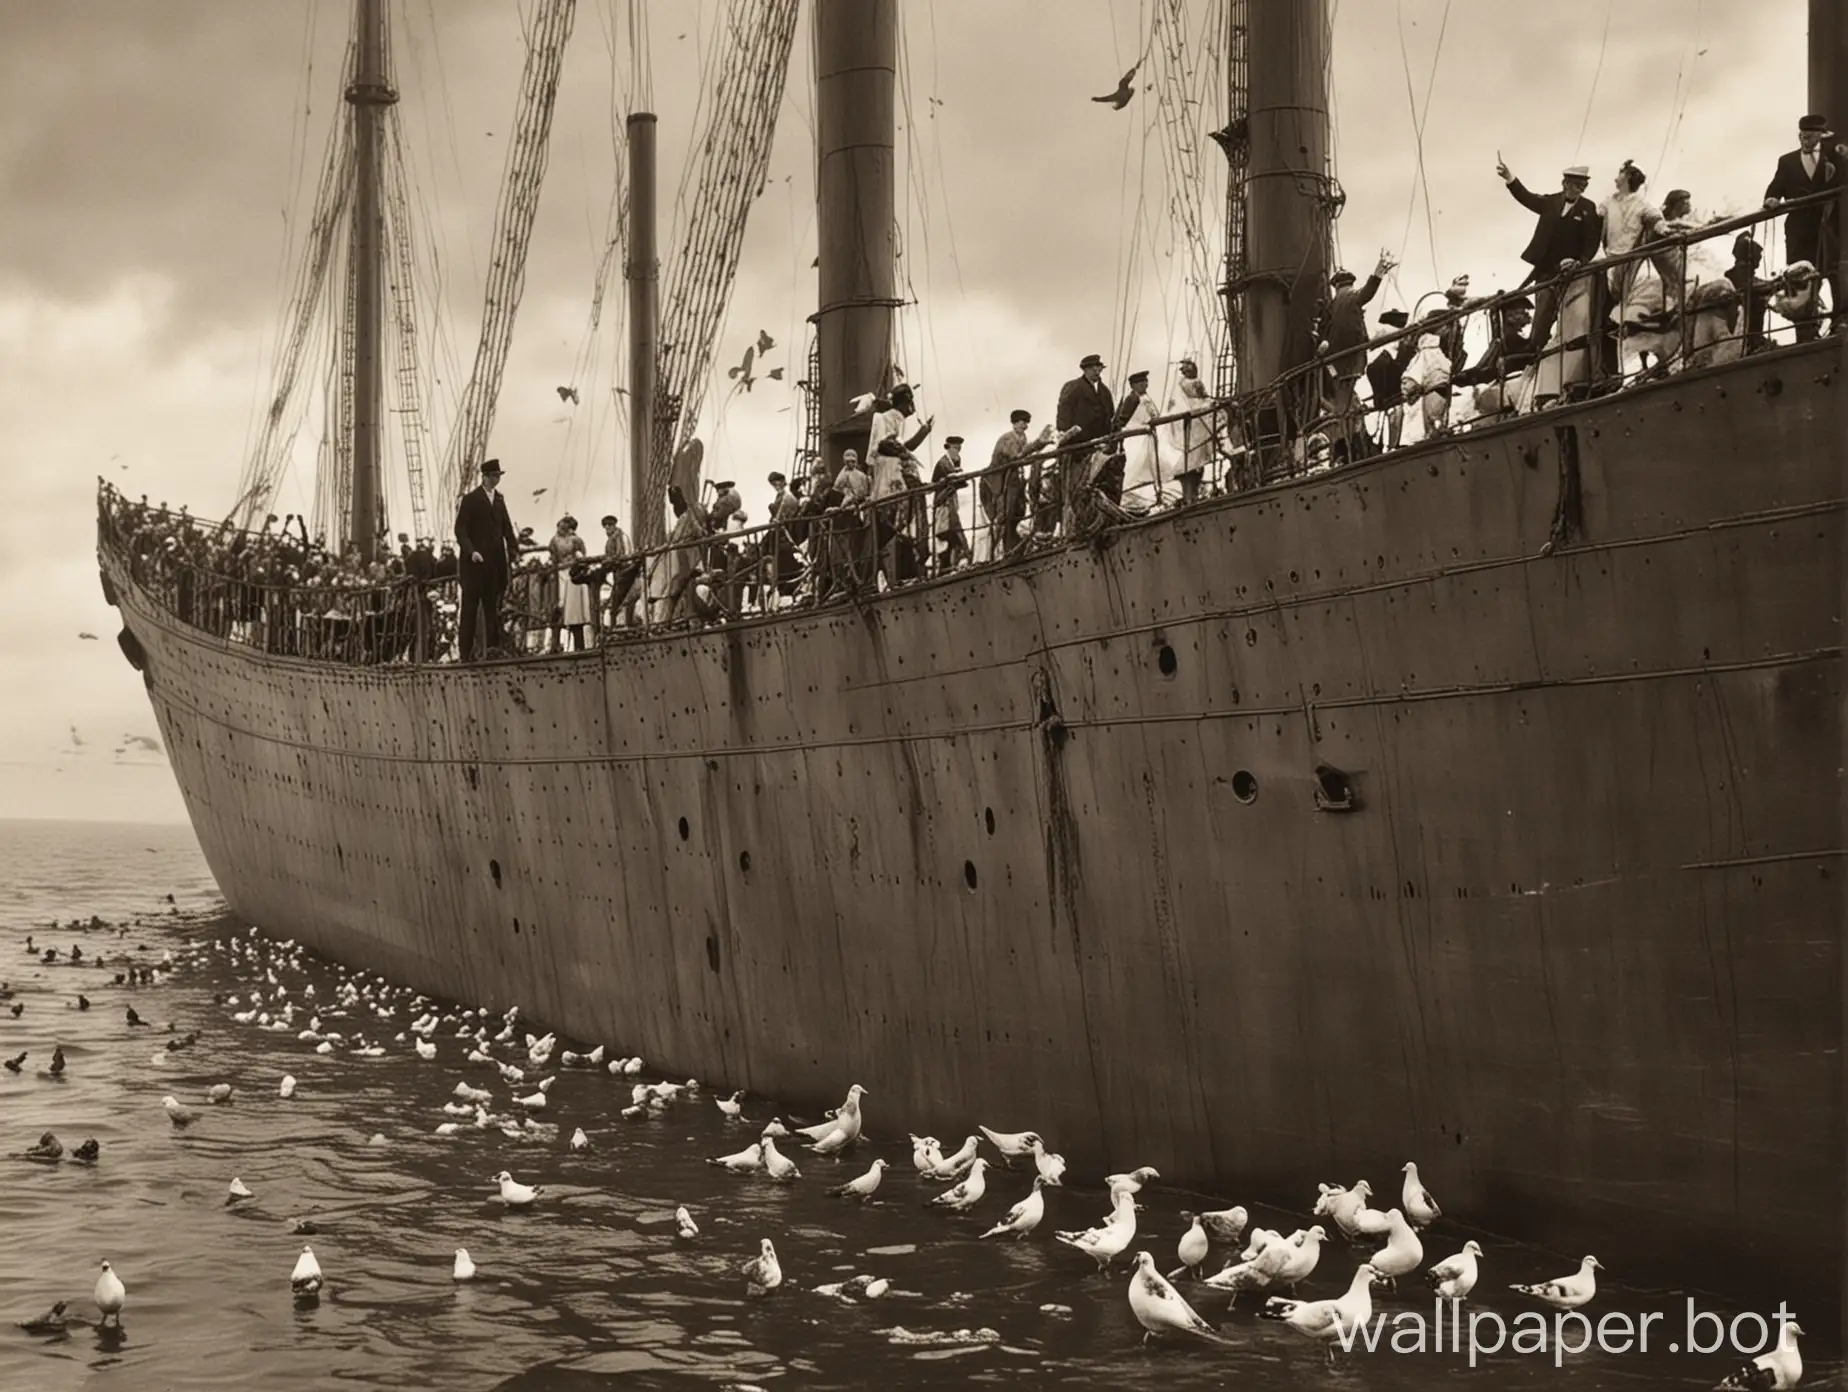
{"points": [[1475, 802]]}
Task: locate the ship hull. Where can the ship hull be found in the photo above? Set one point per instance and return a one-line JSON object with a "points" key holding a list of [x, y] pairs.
{"points": [[1476, 805]]}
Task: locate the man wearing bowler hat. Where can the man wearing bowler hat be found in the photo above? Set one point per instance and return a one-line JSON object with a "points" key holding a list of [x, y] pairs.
{"points": [[487, 543], [1812, 234], [1086, 410], [1570, 229]]}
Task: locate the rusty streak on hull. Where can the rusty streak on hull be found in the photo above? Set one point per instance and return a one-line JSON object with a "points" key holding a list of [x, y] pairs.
{"points": [[1043, 846]]}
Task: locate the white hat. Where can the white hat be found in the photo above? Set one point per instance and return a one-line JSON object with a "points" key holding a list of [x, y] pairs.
{"points": [[1576, 171]]}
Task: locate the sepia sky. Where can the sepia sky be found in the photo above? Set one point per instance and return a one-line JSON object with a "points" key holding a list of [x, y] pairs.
{"points": [[157, 166]]}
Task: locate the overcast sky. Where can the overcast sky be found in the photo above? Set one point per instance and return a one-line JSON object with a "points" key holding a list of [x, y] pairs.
{"points": [[157, 160]]}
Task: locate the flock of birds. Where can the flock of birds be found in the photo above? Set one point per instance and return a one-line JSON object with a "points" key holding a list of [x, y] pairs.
{"points": [[362, 1014]]}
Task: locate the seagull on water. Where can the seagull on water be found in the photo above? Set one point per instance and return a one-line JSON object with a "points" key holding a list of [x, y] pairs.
{"points": [[967, 1194], [181, 1117], [579, 1141], [950, 1167], [1227, 1224], [1328, 1320], [1192, 1247], [778, 1165], [1402, 1252], [218, 1093], [51, 1322], [1024, 1216], [1301, 1251], [238, 1190], [1109, 1239], [1257, 1267], [1051, 1167], [926, 1154], [111, 1296], [1455, 1277], [515, 1194], [87, 1152], [732, 1107], [862, 1188], [763, 1273], [287, 1089], [1776, 1371], [684, 1226], [1420, 1207], [464, 1269], [1568, 1292], [305, 1280], [49, 1149], [1159, 1308], [1013, 1146], [742, 1161]]}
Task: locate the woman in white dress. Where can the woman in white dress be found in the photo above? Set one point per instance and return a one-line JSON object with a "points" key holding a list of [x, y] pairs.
{"points": [[1143, 466], [574, 602], [1426, 379], [1189, 443], [1638, 294]]}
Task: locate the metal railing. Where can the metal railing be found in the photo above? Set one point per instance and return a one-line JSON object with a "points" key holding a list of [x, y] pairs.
{"points": [[835, 547]]}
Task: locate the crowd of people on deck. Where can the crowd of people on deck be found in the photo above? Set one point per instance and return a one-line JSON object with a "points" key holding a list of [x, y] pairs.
{"points": [[858, 524]]}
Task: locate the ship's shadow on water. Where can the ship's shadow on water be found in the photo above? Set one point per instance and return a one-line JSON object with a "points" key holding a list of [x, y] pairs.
{"points": [[591, 1287]]}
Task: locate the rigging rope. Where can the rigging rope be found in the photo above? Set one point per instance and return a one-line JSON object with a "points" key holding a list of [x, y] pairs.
{"points": [[513, 223]]}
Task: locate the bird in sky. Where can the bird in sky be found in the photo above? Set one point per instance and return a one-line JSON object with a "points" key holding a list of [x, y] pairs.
{"points": [[741, 374], [1119, 99], [764, 342], [568, 394], [90, 636]]}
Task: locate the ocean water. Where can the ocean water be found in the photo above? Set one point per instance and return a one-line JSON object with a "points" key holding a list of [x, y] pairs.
{"points": [[591, 1287]]}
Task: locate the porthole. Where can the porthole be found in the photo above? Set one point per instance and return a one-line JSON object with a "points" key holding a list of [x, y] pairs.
{"points": [[1245, 786], [685, 830], [1165, 661], [969, 876]]}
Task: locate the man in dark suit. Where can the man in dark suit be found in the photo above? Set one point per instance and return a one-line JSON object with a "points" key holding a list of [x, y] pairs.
{"points": [[1086, 412], [1812, 234], [488, 544], [1570, 229]]}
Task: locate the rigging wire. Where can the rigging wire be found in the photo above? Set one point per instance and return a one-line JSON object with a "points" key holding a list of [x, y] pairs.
{"points": [[1591, 97], [1419, 119]]}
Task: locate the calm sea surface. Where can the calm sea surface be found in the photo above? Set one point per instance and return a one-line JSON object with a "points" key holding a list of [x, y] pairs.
{"points": [[590, 1288]]}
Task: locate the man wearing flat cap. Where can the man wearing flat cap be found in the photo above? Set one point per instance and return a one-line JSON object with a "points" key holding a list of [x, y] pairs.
{"points": [[487, 544], [1344, 331], [1003, 489], [1812, 234], [1570, 229]]}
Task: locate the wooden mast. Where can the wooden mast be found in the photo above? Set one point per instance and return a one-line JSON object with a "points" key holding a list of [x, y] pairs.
{"points": [[643, 272], [856, 65], [369, 95], [1287, 189], [1828, 94]]}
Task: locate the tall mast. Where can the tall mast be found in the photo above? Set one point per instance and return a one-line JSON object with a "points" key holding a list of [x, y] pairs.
{"points": [[1828, 89], [368, 96], [643, 272], [1287, 189], [856, 67]]}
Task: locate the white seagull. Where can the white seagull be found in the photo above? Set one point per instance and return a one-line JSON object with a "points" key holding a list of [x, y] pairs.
{"points": [[1568, 1292], [1455, 1277], [239, 1190], [1402, 1252], [111, 1296], [579, 1141], [1109, 1239], [954, 1166], [1327, 1320], [287, 1087], [306, 1278], [1192, 1247], [778, 1165], [763, 1273], [862, 1188], [1013, 1146], [926, 1154], [1420, 1207], [1257, 1267], [1158, 1307], [1776, 1371], [733, 1106], [465, 1267], [1227, 1224], [967, 1194], [684, 1226], [218, 1093], [514, 1194], [741, 1161], [1024, 1216], [1301, 1252], [181, 1117], [1051, 1167]]}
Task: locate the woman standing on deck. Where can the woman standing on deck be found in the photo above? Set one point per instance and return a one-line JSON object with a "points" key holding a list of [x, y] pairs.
{"points": [[571, 600]]}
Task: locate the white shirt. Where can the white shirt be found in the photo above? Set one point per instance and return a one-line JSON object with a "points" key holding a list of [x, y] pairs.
{"points": [[888, 474]]}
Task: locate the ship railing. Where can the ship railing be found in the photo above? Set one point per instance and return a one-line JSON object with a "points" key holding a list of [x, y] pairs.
{"points": [[828, 549]]}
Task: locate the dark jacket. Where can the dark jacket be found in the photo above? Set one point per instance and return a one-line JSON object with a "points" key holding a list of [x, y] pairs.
{"points": [[1803, 228], [1344, 326], [1088, 407], [1576, 232], [484, 526]]}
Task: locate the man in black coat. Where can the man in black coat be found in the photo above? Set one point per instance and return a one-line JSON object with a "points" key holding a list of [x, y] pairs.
{"points": [[488, 544], [1570, 229], [1086, 413], [1812, 234]]}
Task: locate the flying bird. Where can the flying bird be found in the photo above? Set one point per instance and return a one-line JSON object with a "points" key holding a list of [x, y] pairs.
{"points": [[76, 738], [764, 342], [538, 492], [147, 742], [775, 374], [1119, 99], [741, 374], [90, 637], [568, 394]]}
